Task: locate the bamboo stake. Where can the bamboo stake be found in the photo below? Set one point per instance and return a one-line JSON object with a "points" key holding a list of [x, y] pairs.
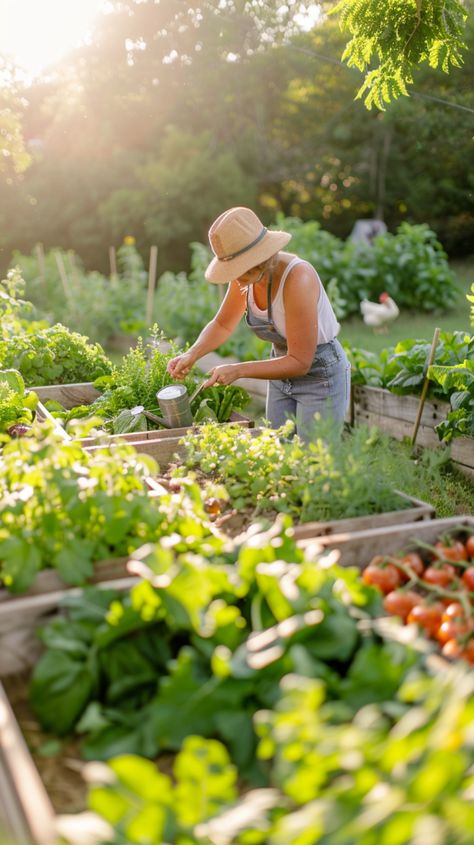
{"points": [[65, 281], [73, 267], [151, 284], [40, 257], [426, 382], [113, 261], [41, 264]]}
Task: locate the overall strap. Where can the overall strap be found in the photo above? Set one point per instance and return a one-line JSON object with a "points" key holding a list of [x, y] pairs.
{"points": [[269, 298]]}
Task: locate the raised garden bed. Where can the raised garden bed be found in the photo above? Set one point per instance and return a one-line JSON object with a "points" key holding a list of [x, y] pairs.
{"points": [[70, 395], [48, 581], [416, 511], [396, 415], [24, 803], [358, 547], [26, 811]]}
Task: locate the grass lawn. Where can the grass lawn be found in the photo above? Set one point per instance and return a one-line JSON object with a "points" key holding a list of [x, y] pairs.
{"points": [[421, 326]]}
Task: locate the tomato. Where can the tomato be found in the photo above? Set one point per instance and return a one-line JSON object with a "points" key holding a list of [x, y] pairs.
{"points": [[470, 546], [212, 506], [451, 649], [384, 576], [468, 578], [452, 631], [468, 651], [400, 602], [414, 562], [454, 551], [454, 612], [441, 575], [427, 616]]}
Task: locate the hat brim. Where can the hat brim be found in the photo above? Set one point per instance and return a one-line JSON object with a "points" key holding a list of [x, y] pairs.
{"points": [[220, 272]]}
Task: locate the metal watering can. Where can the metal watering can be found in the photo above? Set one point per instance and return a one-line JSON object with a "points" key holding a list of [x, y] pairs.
{"points": [[175, 405]]}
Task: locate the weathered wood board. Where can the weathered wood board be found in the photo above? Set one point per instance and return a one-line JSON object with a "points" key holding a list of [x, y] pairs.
{"points": [[69, 395], [418, 511], [26, 812], [396, 416], [358, 547], [49, 581]]}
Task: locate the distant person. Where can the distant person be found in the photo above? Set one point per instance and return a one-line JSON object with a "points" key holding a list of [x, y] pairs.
{"points": [[285, 303]]}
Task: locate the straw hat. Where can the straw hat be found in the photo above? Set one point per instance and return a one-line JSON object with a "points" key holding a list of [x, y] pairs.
{"points": [[240, 241]]}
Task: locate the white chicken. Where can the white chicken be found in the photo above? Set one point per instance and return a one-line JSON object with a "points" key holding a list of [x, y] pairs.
{"points": [[378, 314]]}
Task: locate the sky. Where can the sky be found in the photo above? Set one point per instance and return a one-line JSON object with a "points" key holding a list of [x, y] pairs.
{"points": [[37, 33]]}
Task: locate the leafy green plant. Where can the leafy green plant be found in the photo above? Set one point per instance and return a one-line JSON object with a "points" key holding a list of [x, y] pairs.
{"points": [[17, 408], [410, 265], [400, 788], [471, 300], [16, 314], [66, 508], [132, 386], [54, 355], [379, 776], [87, 302], [327, 479], [458, 383], [402, 368], [228, 631], [137, 800]]}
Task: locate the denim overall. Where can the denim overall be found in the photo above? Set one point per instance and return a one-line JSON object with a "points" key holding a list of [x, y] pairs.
{"points": [[325, 389]]}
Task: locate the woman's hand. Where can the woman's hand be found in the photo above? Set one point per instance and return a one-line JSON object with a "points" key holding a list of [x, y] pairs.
{"points": [[225, 374], [180, 366]]}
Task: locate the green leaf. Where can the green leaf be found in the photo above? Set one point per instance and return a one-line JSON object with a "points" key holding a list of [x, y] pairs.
{"points": [[60, 689]]}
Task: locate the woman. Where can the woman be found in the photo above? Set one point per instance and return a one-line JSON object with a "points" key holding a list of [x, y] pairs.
{"points": [[286, 304]]}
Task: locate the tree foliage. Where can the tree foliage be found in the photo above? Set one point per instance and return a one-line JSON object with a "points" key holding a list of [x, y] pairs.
{"points": [[175, 111], [396, 36], [14, 157]]}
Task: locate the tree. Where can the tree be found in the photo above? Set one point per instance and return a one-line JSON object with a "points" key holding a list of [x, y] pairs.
{"points": [[396, 36], [14, 157]]}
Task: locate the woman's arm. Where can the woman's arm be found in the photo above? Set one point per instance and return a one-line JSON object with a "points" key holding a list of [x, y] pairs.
{"points": [[220, 328], [217, 331], [300, 297]]}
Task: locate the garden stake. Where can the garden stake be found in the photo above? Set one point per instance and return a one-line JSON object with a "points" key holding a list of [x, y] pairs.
{"points": [[426, 382], [151, 284], [113, 262]]}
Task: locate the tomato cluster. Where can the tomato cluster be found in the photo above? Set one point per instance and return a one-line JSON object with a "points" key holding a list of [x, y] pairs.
{"points": [[435, 592]]}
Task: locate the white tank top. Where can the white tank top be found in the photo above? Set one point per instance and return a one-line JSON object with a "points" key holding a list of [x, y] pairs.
{"points": [[328, 326]]}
